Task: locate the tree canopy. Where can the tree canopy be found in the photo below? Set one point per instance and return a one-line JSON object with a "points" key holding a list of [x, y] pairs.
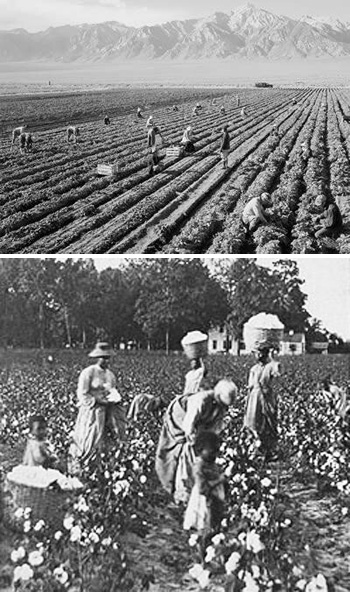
{"points": [[48, 302]]}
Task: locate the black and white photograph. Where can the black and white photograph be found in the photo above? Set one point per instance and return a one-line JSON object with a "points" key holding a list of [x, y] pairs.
{"points": [[174, 423], [152, 127]]}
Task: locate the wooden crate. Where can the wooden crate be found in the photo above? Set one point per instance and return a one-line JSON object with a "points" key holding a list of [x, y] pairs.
{"points": [[174, 151], [107, 169]]}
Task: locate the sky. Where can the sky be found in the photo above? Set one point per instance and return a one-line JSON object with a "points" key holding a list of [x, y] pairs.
{"points": [[327, 284], [36, 15]]}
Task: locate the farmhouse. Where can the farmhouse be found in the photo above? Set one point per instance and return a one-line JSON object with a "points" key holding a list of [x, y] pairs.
{"points": [[220, 341], [293, 344]]}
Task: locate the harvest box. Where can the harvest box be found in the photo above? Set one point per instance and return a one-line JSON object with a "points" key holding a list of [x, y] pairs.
{"points": [[173, 151], [107, 169]]}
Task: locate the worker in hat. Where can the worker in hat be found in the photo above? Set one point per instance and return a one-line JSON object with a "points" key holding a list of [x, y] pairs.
{"points": [[99, 408], [188, 140], [225, 146], [254, 214]]}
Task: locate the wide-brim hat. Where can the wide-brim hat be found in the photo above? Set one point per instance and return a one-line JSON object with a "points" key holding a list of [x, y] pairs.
{"points": [[102, 349]]}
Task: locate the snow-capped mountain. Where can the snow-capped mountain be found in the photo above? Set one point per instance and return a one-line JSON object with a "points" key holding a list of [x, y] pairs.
{"points": [[247, 32]]}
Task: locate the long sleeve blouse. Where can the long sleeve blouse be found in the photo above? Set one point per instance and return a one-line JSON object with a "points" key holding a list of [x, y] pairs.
{"points": [[93, 383]]}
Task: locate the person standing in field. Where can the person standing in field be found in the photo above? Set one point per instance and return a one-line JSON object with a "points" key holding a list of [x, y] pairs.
{"points": [[139, 113], [107, 121], [99, 408], [244, 113], [150, 122], [222, 110], [194, 377], [185, 418], [175, 108], [254, 213], [17, 132], [238, 100], [225, 146], [154, 137], [261, 410], [73, 133]]}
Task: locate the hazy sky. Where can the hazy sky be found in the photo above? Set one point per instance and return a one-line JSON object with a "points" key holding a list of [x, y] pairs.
{"points": [[327, 284], [35, 15]]}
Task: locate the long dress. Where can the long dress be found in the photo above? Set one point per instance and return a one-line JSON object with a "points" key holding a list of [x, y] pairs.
{"points": [[89, 429], [204, 509], [193, 380], [261, 410], [175, 456]]}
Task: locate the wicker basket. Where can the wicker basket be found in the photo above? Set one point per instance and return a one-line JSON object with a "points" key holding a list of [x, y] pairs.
{"points": [[46, 504], [263, 331], [195, 345]]}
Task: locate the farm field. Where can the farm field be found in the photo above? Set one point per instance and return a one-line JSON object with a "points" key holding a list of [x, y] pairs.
{"points": [[52, 200], [298, 507]]}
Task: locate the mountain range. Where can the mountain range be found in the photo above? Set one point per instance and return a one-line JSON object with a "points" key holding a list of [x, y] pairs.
{"points": [[247, 32]]}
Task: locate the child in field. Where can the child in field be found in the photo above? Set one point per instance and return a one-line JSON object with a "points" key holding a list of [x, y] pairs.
{"points": [[205, 507], [37, 452]]}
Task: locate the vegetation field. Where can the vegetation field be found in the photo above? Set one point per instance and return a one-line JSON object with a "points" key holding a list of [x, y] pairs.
{"points": [[52, 200], [286, 525]]}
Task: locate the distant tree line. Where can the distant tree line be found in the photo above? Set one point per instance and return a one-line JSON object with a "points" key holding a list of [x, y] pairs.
{"points": [[152, 302]]}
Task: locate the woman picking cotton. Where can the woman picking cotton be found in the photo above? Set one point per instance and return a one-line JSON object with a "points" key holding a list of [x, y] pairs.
{"points": [[99, 408], [261, 410], [185, 418]]}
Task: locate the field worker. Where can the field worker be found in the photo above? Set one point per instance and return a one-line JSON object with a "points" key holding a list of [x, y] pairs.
{"points": [[16, 133], [196, 110], [22, 142], [275, 132], [244, 112], [150, 122], [99, 409], [222, 110], [294, 102], [187, 140], [225, 146], [184, 419], [195, 376], [336, 396], [238, 101], [72, 133], [139, 113], [29, 142], [261, 409], [154, 139], [329, 223], [107, 121], [175, 108], [304, 151], [254, 212]]}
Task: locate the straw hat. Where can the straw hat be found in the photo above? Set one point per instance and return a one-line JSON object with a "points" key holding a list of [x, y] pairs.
{"points": [[102, 350]]}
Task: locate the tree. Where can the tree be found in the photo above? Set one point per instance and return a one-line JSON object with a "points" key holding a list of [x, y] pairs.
{"points": [[175, 296], [290, 301], [252, 289]]}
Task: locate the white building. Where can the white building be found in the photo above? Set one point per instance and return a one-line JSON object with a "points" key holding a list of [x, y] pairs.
{"points": [[217, 341], [293, 344]]}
